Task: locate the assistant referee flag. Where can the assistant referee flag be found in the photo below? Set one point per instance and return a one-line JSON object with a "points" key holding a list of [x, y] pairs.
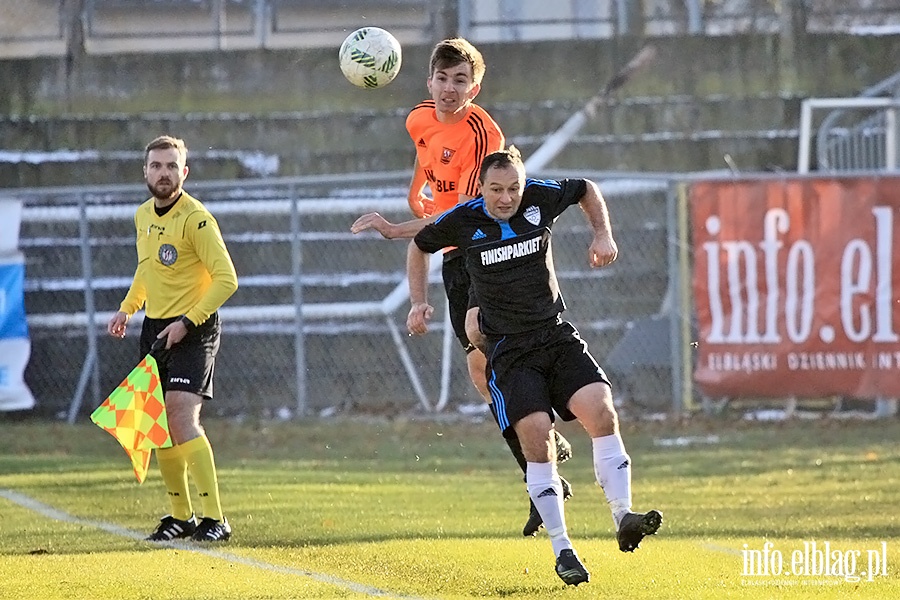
{"points": [[135, 414]]}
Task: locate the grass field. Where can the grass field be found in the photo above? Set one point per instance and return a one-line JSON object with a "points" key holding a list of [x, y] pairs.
{"points": [[411, 509]]}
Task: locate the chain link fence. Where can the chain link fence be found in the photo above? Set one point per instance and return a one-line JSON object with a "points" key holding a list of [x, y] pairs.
{"points": [[346, 350], [318, 324]]}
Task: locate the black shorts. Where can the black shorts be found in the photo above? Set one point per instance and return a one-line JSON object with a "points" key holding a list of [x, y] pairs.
{"points": [[188, 365], [539, 371], [456, 284]]}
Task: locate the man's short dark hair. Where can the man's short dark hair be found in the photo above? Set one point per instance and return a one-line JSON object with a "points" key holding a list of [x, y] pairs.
{"points": [[164, 142], [511, 157], [451, 52]]}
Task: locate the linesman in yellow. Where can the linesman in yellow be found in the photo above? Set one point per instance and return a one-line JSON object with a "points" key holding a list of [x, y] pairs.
{"points": [[184, 274]]}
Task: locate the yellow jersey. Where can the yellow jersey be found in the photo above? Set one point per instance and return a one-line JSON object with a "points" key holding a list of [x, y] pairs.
{"points": [[183, 265]]}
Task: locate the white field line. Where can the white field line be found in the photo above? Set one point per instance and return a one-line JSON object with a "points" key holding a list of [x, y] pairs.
{"points": [[720, 549], [58, 515]]}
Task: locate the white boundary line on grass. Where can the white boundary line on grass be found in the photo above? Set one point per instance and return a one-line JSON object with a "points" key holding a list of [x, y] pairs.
{"points": [[720, 549], [53, 513]]}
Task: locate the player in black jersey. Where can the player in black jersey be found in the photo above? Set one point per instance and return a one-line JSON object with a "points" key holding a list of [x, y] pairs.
{"points": [[537, 363], [452, 135]]}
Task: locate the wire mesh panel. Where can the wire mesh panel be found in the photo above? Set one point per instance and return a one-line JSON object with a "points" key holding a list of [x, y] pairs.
{"points": [[621, 310], [79, 245], [353, 353]]}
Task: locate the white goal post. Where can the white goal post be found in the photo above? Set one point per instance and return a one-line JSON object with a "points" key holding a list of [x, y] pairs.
{"points": [[808, 106]]}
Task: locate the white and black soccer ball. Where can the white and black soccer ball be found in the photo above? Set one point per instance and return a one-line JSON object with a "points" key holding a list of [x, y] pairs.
{"points": [[370, 57]]}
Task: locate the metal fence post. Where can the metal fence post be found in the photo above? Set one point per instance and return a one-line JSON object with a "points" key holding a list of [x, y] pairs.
{"points": [[680, 348], [512, 13], [89, 368], [674, 295], [297, 270], [444, 19], [262, 22], [464, 18], [890, 139], [621, 17], [695, 22]]}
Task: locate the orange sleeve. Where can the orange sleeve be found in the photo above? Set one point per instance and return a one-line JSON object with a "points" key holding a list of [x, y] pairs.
{"points": [[487, 138], [414, 123]]}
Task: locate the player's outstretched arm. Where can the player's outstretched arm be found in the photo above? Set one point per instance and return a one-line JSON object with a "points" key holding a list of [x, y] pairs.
{"points": [[374, 221], [388, 230], [417, 273], [603, 249]]}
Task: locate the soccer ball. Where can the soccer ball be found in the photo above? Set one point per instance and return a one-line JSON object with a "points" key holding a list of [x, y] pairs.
{"points": [[370, 57]]}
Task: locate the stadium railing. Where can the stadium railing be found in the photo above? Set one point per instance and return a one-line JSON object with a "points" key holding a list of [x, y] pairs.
{"points": [[89, 215], [867, 143], [291, 244]]}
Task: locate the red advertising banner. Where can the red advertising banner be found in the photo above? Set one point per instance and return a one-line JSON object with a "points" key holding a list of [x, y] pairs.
{"points": [[796, 287]]}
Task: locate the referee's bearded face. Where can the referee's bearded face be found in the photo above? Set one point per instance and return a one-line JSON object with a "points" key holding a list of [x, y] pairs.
{"points": [[165, 173], [502, 190]]}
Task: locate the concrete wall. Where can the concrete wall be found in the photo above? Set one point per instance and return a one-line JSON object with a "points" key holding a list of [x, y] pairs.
{"points": [[702, 94]]}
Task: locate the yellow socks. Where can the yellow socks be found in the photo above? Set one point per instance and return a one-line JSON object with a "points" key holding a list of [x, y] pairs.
{"points": [[173, 468], [198, 456]]}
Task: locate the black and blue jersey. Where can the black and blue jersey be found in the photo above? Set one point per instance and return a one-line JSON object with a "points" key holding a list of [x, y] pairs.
{"points": [[510, 262]]}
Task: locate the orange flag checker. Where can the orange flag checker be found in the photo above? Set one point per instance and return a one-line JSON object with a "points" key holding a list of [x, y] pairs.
{"points": [[135, 414]]}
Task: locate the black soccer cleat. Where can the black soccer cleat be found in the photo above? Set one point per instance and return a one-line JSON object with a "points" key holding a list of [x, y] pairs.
{"points": [[211, 530], [534, 522], [570, 569], [563, 448], [634, 526], [170, 528]]}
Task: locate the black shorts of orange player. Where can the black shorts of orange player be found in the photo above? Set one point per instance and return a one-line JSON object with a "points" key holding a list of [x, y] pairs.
{"points": [[456, 285]]}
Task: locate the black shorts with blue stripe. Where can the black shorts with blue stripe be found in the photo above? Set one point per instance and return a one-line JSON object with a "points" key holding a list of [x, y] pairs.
{"points": [[539, 371]]}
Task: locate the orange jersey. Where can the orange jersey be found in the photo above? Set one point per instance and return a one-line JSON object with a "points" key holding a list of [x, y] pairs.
{"points": [[451, 154]]}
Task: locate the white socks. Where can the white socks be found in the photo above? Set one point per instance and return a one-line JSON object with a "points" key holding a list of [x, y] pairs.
{"points": [[612, 467], [545, 490]]}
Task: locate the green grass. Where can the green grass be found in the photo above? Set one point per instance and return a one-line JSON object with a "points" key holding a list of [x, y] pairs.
{"points": [[351, 509]]}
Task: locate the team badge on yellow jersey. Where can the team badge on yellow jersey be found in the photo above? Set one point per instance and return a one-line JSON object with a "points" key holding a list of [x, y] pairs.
{"points": [[168, 254]]}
